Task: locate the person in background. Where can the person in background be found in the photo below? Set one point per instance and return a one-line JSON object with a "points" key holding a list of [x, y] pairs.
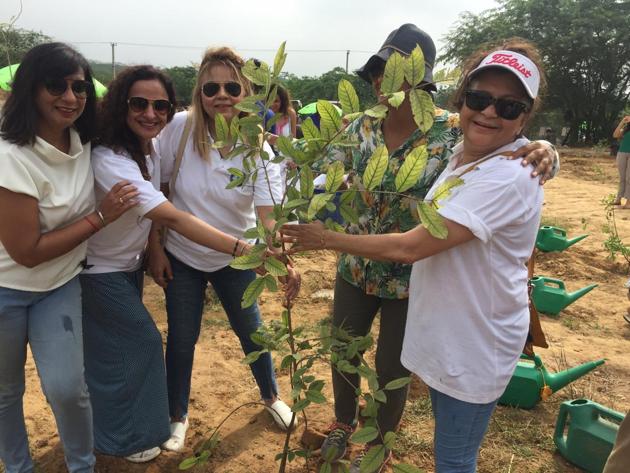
{"points": [[184, 268], [366, 286], [47, 195], [286, 124], [124, 359], [622, 133], [464, 333]]}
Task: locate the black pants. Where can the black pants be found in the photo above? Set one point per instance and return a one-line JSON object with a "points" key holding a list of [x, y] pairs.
{"points": [[354, 311]]}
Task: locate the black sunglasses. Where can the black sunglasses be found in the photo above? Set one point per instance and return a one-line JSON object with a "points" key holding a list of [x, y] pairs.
{"points": [[58, 86], [210, 89], [140, 104], [507, 109]]}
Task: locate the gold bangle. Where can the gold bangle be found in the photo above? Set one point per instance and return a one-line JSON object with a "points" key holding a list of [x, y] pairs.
{"points": [[100, 215]]}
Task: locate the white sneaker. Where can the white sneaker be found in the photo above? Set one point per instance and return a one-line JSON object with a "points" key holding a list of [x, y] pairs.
{"points": [[178, 436], [282, 414], [144, 456]]}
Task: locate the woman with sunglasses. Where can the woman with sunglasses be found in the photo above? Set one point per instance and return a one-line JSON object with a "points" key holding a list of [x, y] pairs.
{"points": [[123, 348], [468, 315], [47, 214], [186, 268]]}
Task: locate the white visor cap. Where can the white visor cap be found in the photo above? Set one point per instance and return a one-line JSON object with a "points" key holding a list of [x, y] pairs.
{"points": [[521, 66]]}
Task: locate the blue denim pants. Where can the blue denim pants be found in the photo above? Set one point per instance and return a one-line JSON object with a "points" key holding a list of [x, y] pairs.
{"points": [[51, 323], [185, 295], [459, 430]]}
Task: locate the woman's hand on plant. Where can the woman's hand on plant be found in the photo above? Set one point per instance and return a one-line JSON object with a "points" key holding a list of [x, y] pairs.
{"points": [[539, 153], [304, 236], [292, 283], [118, 200], [159, 267]]}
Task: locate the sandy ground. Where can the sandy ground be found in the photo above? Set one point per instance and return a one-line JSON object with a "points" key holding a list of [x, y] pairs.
{"points": [[518, 441]]}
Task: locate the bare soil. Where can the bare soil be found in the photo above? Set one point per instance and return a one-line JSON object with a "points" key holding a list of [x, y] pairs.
{"points": [[518, 441]]}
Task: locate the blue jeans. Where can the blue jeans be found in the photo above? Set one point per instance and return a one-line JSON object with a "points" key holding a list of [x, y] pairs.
{"points": [[51, 323], [185, 295], [459, 430]]}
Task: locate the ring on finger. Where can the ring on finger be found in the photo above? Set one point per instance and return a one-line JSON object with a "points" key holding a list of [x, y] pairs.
{"points": [[120, 199]]}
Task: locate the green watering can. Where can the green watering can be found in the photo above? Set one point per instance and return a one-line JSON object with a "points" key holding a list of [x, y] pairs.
{"points": [[588, 437], [531, 381], [554, 239], [550, 296]]}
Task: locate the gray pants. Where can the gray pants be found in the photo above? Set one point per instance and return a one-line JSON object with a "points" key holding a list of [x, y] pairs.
{"points": [[354, 311], [623, 164], [620, 456]]}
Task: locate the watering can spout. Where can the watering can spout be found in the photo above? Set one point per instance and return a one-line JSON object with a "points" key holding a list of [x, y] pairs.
{"points": [[573, 241], [574, 296], [559, 380]]}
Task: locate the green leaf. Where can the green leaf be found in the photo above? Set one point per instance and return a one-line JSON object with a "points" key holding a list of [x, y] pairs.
{"points": [[234, 127], [364, 435], [396, 99], [380, 396], [389, 439], [316, 385], [376, 167], [251, 233], [221, 127], [397, 383], [405, 468], [373, 459], [259, 75], [414, 67], [378, 111], [249, 105], [300, 405], [275, 267], [306, 182], [188, 463], [318, 202], [348, 213], [414, 165], [431, 220], [271, 283], [394, 74], [310, 131], [422, 108], [444, 189], [278, 62], [325, 468], [315, 396], [249, 261], [347, 97], [352, 117], [252, 292], [240, 178], [330, 121], [334, 176], [253, 356]]}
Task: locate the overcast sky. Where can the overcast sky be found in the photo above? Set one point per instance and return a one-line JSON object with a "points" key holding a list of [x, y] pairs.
{"points": [[171, 33]]}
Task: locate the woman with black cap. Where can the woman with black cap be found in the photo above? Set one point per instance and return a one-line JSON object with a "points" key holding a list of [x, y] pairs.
{"points": [[365, 286]]}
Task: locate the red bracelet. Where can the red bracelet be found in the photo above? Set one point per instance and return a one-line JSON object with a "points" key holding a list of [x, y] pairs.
{"points": [[96, 229]]}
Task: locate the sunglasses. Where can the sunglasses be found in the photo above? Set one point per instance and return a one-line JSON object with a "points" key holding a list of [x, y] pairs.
{"points": [[507, 109], [140, 104], [58, 87], [210, 89]]}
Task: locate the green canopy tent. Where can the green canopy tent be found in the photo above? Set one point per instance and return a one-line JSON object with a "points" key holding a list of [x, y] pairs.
{"points": [[311, 108], [8, 72]]}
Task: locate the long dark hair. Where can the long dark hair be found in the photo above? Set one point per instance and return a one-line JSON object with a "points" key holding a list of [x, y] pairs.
{"points": [[113, 130], [45, 61]]}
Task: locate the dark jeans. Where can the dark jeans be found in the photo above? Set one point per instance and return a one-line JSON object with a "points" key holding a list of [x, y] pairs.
{"points": [[185, 296], [354, 311]]}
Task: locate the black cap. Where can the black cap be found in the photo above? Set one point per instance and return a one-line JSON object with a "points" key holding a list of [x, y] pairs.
{"points": [[403, 39]]}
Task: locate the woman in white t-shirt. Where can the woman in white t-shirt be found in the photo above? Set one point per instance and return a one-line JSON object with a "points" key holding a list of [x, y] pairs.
{"points": [[47, 214], [124, 360], [186, 269], [468, 314]]}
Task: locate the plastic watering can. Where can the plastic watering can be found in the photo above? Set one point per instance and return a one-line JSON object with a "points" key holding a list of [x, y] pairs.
{"points": [[585, 433], [531, 381], [554, 239], [550, 296]]}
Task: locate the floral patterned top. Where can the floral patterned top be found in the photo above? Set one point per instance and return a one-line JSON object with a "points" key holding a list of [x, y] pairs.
{"points": [[389, 213]]}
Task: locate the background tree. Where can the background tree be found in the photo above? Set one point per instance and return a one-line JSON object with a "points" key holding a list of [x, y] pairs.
{"points": [[183, 78], [15, 43], [586, 49]]}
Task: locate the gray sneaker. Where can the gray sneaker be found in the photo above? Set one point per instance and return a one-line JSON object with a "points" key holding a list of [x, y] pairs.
{"points": [[355, 466], [336, 442]]}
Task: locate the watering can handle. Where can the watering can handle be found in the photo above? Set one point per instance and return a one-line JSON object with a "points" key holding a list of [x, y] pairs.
{"points": [[613, 416], [556, 282], [535, 358], [561, 231], [558, 434]]}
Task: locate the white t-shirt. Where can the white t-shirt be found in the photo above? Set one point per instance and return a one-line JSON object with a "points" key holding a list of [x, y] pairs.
{"points": [[468, 316], [120, 245], [64, 188], [200, 189]]}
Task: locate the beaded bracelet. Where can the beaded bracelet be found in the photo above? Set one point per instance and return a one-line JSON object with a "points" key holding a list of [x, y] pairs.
{"points": [[235, 248]]}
